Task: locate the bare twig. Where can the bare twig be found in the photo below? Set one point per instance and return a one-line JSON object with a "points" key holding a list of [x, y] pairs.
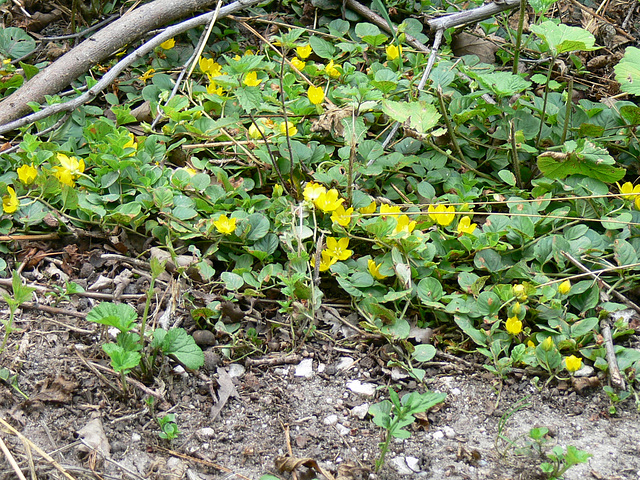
{"points": [[605, 327], [471, 16], [110, 76]]}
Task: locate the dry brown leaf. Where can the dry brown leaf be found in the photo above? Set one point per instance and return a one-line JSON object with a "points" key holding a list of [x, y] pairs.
{"points": [[331, 121], [467, 44], [55, 390], [289, 464]]}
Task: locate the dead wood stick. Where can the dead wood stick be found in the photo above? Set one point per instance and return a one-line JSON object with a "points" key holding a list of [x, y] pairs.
{"points": [[471, 16], [619, 30], [103, 44], [605, 327], [382, 23]]}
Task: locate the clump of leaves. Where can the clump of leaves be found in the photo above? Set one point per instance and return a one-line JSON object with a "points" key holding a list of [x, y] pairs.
{"points": [[395, 414], [21, 294]]}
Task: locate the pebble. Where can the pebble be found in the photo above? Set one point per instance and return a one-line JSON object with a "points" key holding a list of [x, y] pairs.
{"points": [[331, 420], [449, 432], [305, 368], [236, 370], [344, 363], [398, 374], [206, 432], [321, 367], [360, 411], [456, 391], [438, 435], [342, 430], [585, 371], [135, 438], [366, 389], [403, 465]]}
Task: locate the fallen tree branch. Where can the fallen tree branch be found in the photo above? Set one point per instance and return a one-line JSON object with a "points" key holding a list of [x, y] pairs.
{"points": [[471, 16], [100, 46]]}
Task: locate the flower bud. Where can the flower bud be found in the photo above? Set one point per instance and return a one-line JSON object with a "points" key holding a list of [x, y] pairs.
{"points": [[564, 287], [547, 344]]}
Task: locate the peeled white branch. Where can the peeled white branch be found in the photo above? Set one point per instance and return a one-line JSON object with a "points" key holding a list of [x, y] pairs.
{"points": [[100, 46]]}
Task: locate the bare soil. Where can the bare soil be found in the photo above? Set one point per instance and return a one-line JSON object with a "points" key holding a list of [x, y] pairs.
{"points": [[237, 418]]}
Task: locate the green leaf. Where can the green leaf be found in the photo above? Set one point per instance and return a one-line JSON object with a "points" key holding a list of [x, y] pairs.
{"points": [[119, 315], [422, 116], [583, 158], [562, 38], [260, 226], [249, 98], [502, 84], [628, 71], [121, 360], [381, 413], [624, 253], [179, 343], [541, 6], [424, 353], [465, 325], [232, 281], [429, 290], [15, 43], [322, 48]]}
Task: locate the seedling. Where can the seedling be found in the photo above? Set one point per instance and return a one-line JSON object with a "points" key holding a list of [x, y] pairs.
{"points": [[169, 427], [560, 461], [615, 398], [396, 414], [21, 293]]}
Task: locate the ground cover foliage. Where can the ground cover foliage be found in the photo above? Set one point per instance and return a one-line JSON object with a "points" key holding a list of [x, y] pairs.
{"points": [[274, 166]]}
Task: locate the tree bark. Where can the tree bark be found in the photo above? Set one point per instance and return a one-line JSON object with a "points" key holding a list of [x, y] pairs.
{"points": [[98, 47]]}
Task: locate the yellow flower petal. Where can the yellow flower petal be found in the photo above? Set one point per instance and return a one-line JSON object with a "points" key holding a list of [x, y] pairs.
{"points": [[573, 363], [168, 45], [341, 216], [316, 95], [27, 174], [225, 225], [251, 79], [513, 325], [374, 270], [304, 51], [10, 202]]}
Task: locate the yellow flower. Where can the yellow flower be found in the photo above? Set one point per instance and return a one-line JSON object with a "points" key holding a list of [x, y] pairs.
{"points": [[290, 127], [331, 70], [299, 64], [573, 363], [338, 248], [248, 53], [547, 344], [520, 292], [513, 325], [304, 51], [168, 45], [328, 201], [254, 131], [393, 52], [393, 211], [191, 171], [251, 79], [368, 210], [131, 143], [341, 216], [441, 214], [225, 225], [326, 260], [10, 202], [638, 202], [404, 225], [312, 191], [205, 64], [213, 89], [316, 95], [530, 344], [374, 270], [564, 287], [628, 191], [465, 226], [69, 170], [147, 75], [27, 174]]}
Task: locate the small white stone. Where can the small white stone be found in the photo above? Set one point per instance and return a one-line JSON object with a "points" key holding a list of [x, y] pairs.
{"points": [[400, 464], [413, 463], [135, 438], [321, 367], [585, 371], [206, 432], [438, 435], [342, 430], [366, 389], [360, 411], [236, 370], [449, 432], [331, 420], [398, 374], [456, 391], [305, 368], [281, 371], [344, 363]]}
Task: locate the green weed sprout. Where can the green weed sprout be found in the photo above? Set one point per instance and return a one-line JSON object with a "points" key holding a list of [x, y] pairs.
{"points": [[21, 293], [561, 461], [396, 414], [169, 427]]}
